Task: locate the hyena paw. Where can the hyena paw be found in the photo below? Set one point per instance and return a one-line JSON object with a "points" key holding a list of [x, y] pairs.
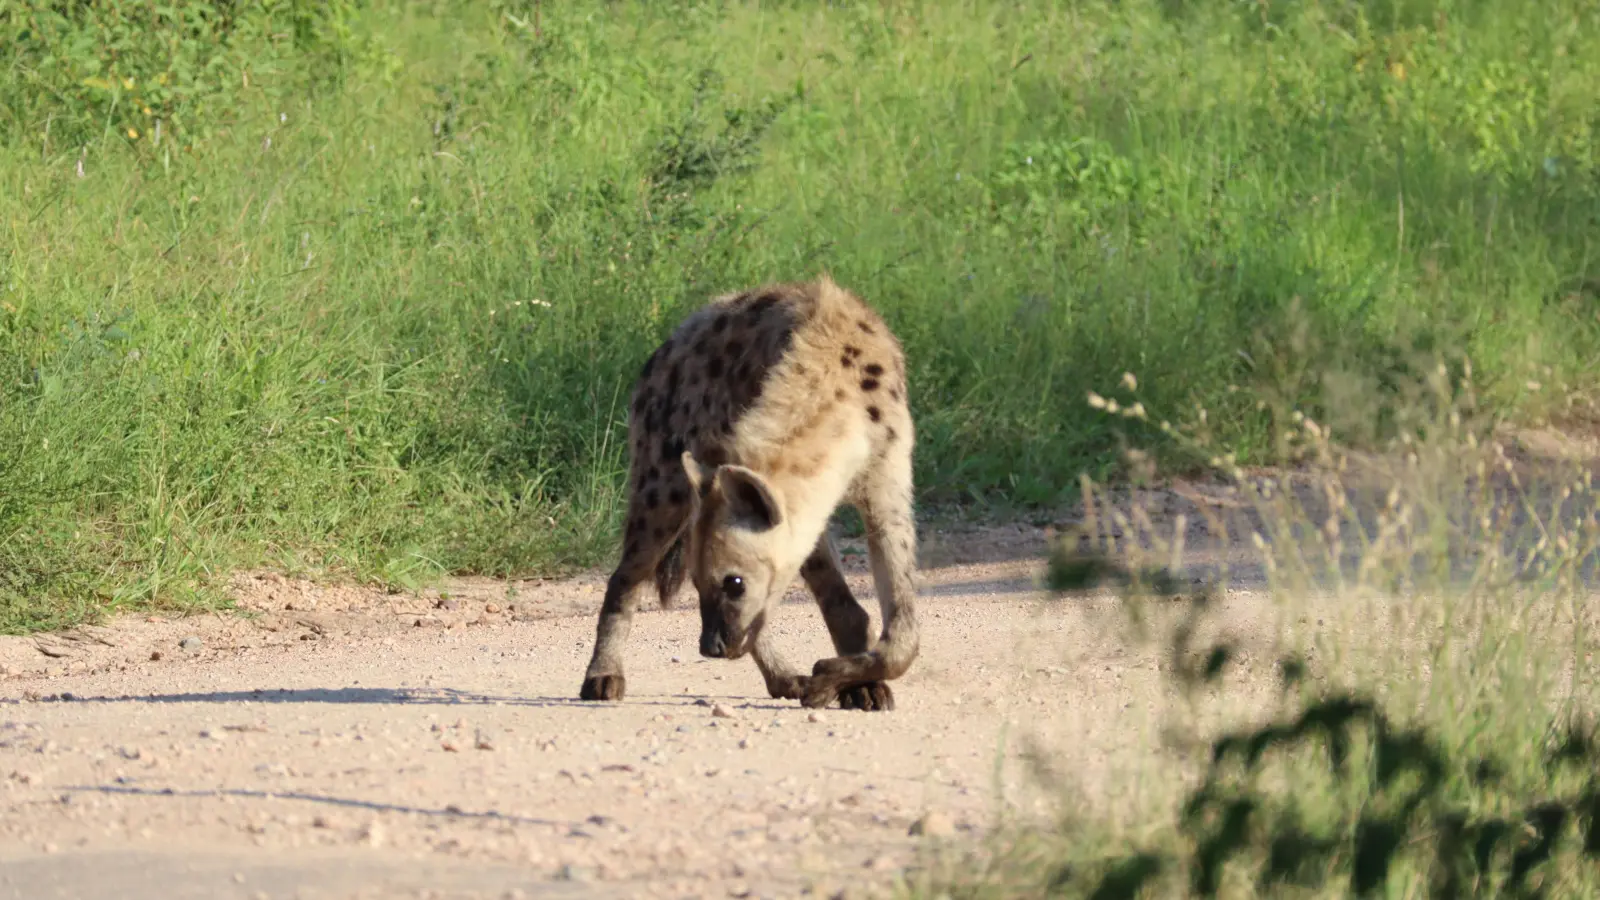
{"points": [[789, 687], [874, 696], [603, 687]]}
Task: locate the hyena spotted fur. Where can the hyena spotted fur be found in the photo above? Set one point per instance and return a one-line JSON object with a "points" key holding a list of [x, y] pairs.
{"points": [[762, 413]]}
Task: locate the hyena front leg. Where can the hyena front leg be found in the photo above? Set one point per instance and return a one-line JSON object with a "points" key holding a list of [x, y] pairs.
{"points": [[891, 544], [642, 551], [784, 682], [848, 625]]}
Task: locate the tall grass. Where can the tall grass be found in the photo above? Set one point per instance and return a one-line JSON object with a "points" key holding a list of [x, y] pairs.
{"points": [[1411, 711], [374, 309]]}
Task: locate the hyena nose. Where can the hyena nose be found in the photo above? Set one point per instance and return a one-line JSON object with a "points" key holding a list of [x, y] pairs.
{"points": [[712, 645]]}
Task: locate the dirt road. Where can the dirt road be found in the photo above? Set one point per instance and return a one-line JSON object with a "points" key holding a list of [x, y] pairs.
{"points": [[343, 742]]}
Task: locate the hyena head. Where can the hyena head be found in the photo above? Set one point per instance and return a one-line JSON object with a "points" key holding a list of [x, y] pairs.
{"points": [[741, 554]]}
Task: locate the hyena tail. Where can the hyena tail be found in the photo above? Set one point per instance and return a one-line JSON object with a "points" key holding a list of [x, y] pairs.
{"points": [[670, 572]]}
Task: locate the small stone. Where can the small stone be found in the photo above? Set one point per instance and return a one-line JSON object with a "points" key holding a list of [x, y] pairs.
{"points": [[191, 643], [721, 712], [813, 717], [445, 603], [570, 872], [238, 878], [702, 702], [491, 608], [482, 742], [68, 696], [155, 656], [319, 822], [214, 734], [744, 744], [449, 747], [371, 835], [676, 659], [933, 824]]}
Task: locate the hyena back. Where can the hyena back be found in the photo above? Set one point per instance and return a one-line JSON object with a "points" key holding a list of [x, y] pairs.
{"points": [[762, 413]]}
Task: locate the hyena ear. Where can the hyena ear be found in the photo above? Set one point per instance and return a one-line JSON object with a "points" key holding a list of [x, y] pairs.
{"points": [[752, 502], [700, 475]]}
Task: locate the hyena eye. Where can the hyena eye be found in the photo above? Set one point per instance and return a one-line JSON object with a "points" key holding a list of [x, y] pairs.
{"points": [[733, 587]]}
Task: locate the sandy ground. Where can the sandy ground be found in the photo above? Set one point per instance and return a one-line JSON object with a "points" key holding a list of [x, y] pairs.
{"points": [[337, 741], [342, 742]]}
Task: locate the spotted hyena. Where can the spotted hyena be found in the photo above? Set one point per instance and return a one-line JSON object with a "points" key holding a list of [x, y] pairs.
{"points": [[761, 414]]}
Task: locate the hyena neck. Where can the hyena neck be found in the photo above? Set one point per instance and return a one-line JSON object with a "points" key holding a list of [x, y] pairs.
{"points": [[809, 502]]}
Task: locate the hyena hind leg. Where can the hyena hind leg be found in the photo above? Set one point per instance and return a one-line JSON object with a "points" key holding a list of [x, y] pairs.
{"points": [[847, 621]]}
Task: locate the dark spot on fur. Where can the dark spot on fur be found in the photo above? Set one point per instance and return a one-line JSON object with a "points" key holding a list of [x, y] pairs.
{"points": [[864, 327], [839, 394], [874, 370], [869, 384], [651, 474], [676, 496], [636, 526], [672, 379], [719, 324], [714, 367], [894, 393], [760, 307], [705, 401], [735, 348], [845, 361], [893, 435], [658, 533], [853, 352], [745, 371], [674, 447], [874, 413]]}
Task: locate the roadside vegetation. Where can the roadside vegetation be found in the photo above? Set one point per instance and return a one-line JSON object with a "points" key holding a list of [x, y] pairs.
{"points": [[1422, 723], [359, 288]]}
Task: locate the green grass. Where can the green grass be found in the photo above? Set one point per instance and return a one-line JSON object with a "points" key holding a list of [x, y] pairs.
{"points": [[1410, 712], [374, 310]]}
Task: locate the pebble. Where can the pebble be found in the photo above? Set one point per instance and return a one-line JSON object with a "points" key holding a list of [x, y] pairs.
{"points": [[570, 872], [371, 835], [933, 824], [721, 712], [813, 717], [491, 608], [191, 643]]}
